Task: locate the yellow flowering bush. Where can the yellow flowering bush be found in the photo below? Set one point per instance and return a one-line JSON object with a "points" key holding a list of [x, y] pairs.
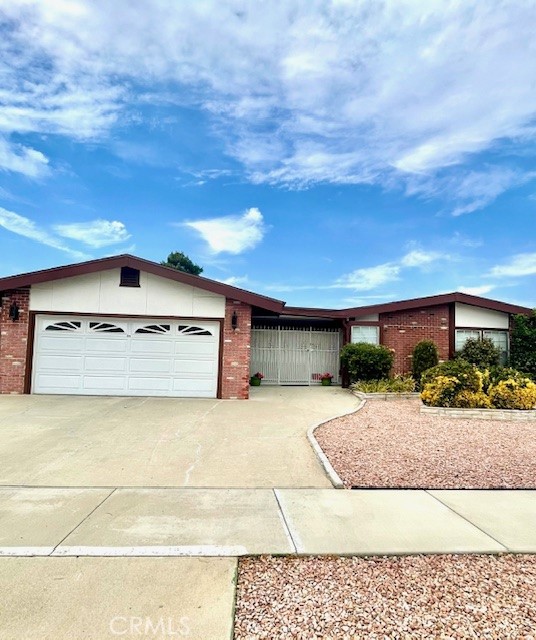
{"points": [[513, 394], [457, 384]]}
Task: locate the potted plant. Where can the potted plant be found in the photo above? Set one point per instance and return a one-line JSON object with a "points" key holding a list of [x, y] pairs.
{"points": [[255, 380], [325, 379]]}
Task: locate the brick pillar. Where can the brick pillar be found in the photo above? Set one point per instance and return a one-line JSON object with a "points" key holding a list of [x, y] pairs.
{"points": [[236, 351], [13, 341]]}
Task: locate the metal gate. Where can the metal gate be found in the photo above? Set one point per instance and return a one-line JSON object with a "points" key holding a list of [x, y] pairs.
{"points": [[295, 356]]}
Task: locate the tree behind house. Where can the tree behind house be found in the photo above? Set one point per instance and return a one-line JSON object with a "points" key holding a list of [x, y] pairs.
{"points": [[181, 262]]}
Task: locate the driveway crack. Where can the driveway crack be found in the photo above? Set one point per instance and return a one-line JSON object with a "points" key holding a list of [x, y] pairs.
{"points": [[83, 520]]}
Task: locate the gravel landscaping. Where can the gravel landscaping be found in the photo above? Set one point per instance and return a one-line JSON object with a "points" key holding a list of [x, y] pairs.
{"points": [[392, 445], [449, 597]]}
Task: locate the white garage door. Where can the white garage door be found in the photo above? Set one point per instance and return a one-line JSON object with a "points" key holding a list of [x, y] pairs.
{"points": [[110, 356]]}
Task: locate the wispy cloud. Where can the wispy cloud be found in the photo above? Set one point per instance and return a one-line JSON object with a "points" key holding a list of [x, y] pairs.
{"points": [[478, 290], [300, 93], [20, 159], [29, 229], [368, 278], [96, 233], [522, 264], [231, 234]]}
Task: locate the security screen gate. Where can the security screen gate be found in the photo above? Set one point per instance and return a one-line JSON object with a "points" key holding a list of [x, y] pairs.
{"points": [[295, 355]]}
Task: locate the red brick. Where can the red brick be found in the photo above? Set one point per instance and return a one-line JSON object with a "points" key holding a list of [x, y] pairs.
{"points": [[402, 330], [13, 341], [236, 351]]}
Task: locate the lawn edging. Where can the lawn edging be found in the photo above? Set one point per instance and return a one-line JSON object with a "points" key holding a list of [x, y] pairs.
{"points": [[333, 476], [389, 395], [481, 414]]}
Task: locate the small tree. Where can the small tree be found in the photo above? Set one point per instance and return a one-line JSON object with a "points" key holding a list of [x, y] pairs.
{"points": [[365, 361], [181, 262], [425, 356], [523, 343], [482, 353]]}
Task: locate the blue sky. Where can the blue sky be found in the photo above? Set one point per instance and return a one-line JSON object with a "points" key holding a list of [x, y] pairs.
{"points": [[324, 153]]}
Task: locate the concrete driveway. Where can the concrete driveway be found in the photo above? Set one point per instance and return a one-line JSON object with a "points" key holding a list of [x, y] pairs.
{"points": [[72, 441]]}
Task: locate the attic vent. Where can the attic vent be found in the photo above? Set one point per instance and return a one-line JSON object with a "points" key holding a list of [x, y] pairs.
{"points": [[129, 277]]}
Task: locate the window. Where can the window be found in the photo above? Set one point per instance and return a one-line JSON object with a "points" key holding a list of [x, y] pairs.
{"points": [[499, 339], [361, 333], [129, 277]]}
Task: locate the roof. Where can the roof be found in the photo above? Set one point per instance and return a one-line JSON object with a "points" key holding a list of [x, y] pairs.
{"points": [[127, 260], [248, 297]]}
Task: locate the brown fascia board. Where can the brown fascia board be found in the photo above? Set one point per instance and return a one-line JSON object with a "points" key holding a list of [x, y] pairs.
{"points": [[127, 260], [430, 301]]}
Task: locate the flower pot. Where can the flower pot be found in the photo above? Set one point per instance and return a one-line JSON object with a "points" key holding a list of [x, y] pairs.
{"points": [[326, 382], [255, 382]]}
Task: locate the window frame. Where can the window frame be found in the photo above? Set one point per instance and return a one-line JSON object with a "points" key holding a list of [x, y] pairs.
{"points": [[365, 326]]}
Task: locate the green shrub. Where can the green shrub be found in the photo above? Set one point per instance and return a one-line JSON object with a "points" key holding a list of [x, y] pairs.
{"points": [[468, 376], [482, 353], [425, 356], [366, 361], [513, 393], [397, 384], [523, 343]]}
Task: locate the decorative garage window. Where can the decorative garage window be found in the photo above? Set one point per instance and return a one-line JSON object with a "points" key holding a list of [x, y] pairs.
{"points": [[361, 333], [64, 326], [499, 339], [195, 331], [154, 328], [105, 327]]}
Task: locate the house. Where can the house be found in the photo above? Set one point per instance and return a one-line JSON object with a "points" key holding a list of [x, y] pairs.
{"points": [[127, 326]]}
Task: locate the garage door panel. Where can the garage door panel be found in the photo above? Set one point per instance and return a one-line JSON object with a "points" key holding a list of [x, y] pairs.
{"points": [[107, 345], [58, 383], [152, 347], [61, 363], [150, 365], [105, 364], [104, 383], [102, 356], [194, 345], [149, 384], [72, 344], [183, 368], [191, 385]]}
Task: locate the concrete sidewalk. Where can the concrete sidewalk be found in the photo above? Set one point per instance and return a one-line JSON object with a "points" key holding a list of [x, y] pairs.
{"points": [[236, 522]]}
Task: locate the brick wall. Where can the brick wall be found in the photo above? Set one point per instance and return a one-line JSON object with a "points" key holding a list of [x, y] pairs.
{"points": [[13, 341], [402, 330], [236, 352]]}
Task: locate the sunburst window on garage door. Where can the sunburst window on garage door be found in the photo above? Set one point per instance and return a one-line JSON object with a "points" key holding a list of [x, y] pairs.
{"points": [[105, 327], [64, 326], [154, 328], [198, 331]]}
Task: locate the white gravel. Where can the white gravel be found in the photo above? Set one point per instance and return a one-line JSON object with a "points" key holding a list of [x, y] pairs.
{"points": [[417, 597], [391, 444]]}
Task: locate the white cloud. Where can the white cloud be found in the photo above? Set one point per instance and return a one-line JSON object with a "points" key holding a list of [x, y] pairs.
{"points": [[477, 291], [339, 92], [231, 234], [236, 281], [418, 257], [97, 233], [20, 159], [368, 278], [522, 264], [25, 227]]}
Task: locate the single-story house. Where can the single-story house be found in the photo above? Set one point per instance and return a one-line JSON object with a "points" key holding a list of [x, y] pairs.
{"points": [[127, 326]]}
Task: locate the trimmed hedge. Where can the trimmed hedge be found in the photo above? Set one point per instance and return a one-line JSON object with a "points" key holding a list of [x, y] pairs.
{"points": [[365, 361]]}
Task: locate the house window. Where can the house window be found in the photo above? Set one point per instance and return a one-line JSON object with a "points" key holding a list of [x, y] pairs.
{"points": [[499, 339], [129, 277], [370, 335]]}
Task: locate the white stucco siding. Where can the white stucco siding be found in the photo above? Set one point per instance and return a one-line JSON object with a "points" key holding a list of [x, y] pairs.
{"points": [[479, 318], [101, 293]]}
